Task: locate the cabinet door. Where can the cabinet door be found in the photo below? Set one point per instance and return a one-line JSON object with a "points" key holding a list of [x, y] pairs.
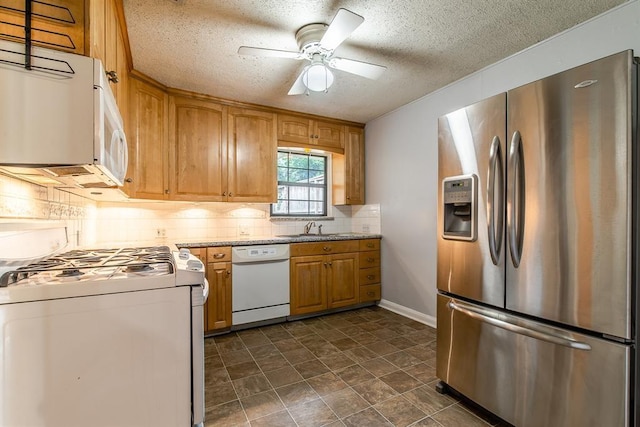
{"points": [[147, 175], [294, 129], [252, 156], [308, 284], [111, 30], [342, 279], [198, 150], [97, 30], [348, 170], [329, 135], [219, 302], [122, 69]]}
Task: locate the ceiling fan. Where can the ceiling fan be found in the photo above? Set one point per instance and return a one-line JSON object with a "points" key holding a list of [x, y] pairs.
{"points": [[317, 43]]}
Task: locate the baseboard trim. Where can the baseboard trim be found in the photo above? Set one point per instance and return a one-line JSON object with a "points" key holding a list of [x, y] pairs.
{"points": [[408, 312]]}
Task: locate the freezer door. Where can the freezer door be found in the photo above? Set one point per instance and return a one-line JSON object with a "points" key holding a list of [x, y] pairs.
{"points": [[530, 374], [569, 201], [471, 148]]}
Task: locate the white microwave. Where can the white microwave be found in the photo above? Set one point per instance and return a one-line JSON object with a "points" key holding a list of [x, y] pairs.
{"points": [[59, 122]]}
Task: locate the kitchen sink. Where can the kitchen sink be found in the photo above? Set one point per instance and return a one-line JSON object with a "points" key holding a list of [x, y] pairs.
{"points": [[314, 235]]}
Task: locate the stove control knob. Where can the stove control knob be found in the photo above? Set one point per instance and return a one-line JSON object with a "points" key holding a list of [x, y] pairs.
{"points": [[184, 253], [194, 264]]}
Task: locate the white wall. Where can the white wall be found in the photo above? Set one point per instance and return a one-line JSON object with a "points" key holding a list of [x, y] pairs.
{"points": [[401, 150]]}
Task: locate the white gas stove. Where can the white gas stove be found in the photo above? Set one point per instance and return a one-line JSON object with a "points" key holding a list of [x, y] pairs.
{"points": [[103, 337]]}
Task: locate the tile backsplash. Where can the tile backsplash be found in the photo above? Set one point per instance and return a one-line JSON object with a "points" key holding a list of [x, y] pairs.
{"points": [[97, 223]]}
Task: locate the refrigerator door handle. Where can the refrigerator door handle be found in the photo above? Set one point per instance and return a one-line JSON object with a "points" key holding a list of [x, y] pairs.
{"points": [[495, 232], [515, 199], [501, 321]]}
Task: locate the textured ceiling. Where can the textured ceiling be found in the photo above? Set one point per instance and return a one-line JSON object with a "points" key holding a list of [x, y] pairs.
{"points": [[425, 44]]}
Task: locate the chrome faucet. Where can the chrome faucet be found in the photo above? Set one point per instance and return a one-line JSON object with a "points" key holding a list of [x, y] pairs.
{"points": [[307, 227]]}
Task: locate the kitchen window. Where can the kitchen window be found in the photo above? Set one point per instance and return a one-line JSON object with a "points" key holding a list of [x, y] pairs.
{"points": [[302, 185]]}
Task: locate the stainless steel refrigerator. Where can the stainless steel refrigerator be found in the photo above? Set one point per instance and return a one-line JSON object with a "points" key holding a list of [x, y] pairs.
{"points": [[538, 249]]}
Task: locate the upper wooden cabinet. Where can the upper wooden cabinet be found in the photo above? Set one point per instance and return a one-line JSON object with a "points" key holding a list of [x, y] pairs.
{"points": [[56, 24], [197, 150], [147, 175], [348, 170], [252, 156], [301, 130]]}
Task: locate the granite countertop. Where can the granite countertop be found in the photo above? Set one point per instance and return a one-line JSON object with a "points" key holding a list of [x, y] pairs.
{"points": [[271, 240]]}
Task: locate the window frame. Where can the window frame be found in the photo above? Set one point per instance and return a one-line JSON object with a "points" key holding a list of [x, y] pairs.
{"points": [[325, 187]]}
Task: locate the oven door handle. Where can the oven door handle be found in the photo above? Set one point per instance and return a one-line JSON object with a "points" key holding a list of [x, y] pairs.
{"points": [[205, 291]]}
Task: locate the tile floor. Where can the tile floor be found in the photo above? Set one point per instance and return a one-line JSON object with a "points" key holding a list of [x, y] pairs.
{"points": [[366, 367]]}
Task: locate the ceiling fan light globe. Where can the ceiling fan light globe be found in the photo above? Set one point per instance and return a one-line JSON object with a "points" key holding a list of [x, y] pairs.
{"points": [[318, 78]]}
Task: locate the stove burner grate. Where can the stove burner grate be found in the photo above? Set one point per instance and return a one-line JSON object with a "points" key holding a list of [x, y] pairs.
{"points": [[72, 272]]}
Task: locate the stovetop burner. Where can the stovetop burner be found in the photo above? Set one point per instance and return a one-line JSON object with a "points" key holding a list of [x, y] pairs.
{"points": [[154, 260]]}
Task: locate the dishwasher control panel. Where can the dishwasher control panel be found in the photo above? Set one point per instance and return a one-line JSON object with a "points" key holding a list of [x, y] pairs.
{"points": [[259, 253]]}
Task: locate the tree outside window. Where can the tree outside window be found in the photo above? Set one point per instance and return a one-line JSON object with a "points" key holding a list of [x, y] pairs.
{"points": [[302, 185]]}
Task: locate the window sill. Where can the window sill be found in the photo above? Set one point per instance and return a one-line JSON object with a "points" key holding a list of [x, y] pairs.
{"points": [[301, 218]]}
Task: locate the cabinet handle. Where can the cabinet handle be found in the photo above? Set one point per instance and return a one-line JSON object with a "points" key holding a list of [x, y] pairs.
{"points": [[370, 259], [325, 264], [129, 180], [326, 248], [228, 272], [370, 276], [330, 264], [112, 76], [370, 293], [370, 245], [348, 197], [224, 193], [230, 194], [218, 256], [166, 191]]}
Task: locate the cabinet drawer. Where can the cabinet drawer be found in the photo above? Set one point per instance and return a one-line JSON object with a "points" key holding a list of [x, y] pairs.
{"points": [[369, 275], [370, 245], [219, 254], [369, 259], [324, 248], [369, 293]]}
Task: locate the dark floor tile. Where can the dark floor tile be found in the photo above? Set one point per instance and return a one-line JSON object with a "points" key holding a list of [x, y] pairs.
{"points": [[242, 370], [312, 339], [402, 359], [384, 333], [455, 415], [401, 343], [427, 422], [399, 411], [298, 356], [311, 368], [272, 363], [354, 374], [382, 347], [375, 391], [283, 376], [364, 338], [263, 351], [218, 394], [212, 362], [345, 402], [422, 352], [331, 334], [296, 394], [288, 345], [327, 349], [227, 414], [428, 400], [368, 417], [350, 330], [345, 344], [312, 414], [255, 340], [379, 366], [423, 372], [401, 381], [279, 419], [260, 405], [215, 376], [326, 383], [251, 385], [236, 357], [276, 333], [360, 354], [337, 361], [370, 326]]}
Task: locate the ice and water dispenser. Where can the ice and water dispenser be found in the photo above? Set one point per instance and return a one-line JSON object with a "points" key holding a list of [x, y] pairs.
{"points": [[459, 196]]}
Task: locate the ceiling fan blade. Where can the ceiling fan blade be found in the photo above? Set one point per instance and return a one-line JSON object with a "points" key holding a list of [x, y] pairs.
{"points": [[364, 69], [344, 23], [258, 51], [298, 87]]}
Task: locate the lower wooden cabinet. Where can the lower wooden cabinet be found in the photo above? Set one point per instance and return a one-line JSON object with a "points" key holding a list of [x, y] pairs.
{"points": [[217, 309], [327, 275]]}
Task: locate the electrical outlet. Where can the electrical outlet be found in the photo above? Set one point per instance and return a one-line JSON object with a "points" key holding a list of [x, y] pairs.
{"points": [[243, 230], [161, 232]]}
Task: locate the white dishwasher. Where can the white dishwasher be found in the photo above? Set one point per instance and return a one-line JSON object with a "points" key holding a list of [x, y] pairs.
{"points": [[260, 289]]}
